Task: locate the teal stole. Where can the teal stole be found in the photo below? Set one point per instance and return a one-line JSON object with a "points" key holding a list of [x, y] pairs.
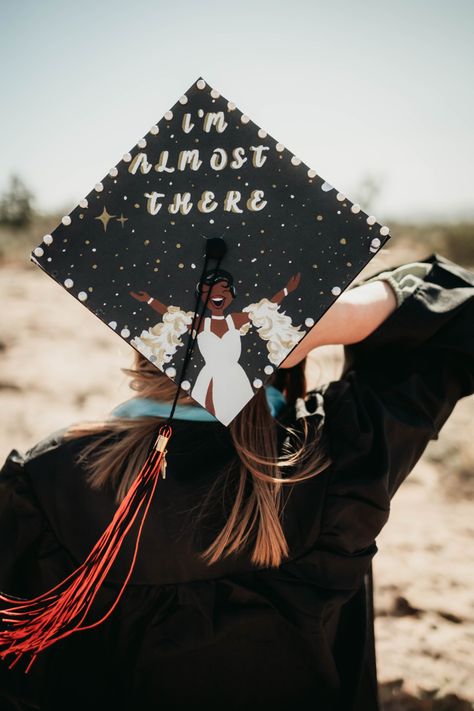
{"points": [[148, 407]]}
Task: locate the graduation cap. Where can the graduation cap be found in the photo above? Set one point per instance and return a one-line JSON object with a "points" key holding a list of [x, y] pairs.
{"points": [[212, 250]]}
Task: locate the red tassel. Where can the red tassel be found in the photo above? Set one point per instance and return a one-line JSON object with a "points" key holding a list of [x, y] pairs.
{"points": [[34, 625]]}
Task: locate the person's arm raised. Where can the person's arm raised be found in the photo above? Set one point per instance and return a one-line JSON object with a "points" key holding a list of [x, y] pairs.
{"points": [[353, 317]]}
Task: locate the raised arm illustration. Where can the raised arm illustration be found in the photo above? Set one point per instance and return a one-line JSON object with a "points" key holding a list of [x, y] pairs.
{"points": [[144, 296], [292, 285]]}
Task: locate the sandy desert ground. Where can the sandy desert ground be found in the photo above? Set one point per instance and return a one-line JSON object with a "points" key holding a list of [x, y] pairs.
{"points": [[424, 574]]}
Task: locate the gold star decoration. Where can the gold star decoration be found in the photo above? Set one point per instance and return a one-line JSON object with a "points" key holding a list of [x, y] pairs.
{"points": [[122, 219], [104, 218]]}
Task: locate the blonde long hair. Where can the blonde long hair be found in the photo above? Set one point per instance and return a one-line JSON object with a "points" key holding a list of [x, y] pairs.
{"points": [[114, 461]]}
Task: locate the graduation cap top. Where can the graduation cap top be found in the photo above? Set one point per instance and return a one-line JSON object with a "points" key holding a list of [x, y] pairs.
{"points": [[212, 250], [133, 250]]}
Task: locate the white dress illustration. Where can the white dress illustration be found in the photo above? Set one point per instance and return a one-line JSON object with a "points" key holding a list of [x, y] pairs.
{"points": [[231, 389]]}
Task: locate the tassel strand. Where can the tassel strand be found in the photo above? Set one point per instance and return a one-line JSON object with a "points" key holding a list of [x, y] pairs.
{"points": [[34, 625]]}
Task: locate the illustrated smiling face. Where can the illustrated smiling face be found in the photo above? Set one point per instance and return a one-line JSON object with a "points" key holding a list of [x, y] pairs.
{"points": [[220, 297]]}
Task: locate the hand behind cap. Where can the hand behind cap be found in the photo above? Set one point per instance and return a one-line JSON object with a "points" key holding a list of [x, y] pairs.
{"points": [[140, 295]]}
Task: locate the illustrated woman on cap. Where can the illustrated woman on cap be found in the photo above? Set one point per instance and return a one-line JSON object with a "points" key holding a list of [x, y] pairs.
{"points": [[222, 386]]}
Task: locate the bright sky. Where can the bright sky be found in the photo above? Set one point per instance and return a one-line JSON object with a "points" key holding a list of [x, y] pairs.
{"points": [[355, 89]]}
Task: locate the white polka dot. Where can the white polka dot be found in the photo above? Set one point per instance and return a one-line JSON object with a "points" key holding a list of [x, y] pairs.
{"points": [[141, 143], [326, 187], [375, 242], [384, 231], [336, 290], [168, 115], [113, 324], [231, 106], [311, 173], [125, 333], [257, 383], [83, 203], [183, 99], [268, 369], [355, 208], [99, 187], [68, 283], [154, 130], [280, 147], [244, 118], [66, 220], [215, 94], [185, 384], [170, 372], [113, 172], [309, 322], [38, 252], [262, 133], [82, 296], [126, 157], [201, 84], [47, 239], [295, 160], [340, 197], [371, 220]]}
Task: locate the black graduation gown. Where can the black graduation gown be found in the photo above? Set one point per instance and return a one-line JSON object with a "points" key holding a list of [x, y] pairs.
{"points": [[232, 636]]}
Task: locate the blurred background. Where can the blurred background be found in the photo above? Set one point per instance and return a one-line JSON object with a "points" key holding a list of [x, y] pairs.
{"points": [[378, 98]]}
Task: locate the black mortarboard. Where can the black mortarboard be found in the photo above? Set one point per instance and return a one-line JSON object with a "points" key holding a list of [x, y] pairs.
{"points": [[205, 170], [212, 250]]}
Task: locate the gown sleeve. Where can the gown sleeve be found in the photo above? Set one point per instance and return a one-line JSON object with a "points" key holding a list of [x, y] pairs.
{"points": [[22, 528], [21, 524], [401, 383]]}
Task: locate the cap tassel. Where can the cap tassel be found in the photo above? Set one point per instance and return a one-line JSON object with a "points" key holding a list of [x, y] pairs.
{"points": [[34, 625]]}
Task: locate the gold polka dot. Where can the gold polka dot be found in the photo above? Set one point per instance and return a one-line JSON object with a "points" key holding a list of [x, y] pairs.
{"points": [[343, 240], [172, 223], [136, 205], [349, 264], [121, 269], [90, 289], [178, 245], [157, 261], [87, 241], [155, 269], [81, 217], [319, 217], [181, 265], [146, 242], [94, 266]]}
